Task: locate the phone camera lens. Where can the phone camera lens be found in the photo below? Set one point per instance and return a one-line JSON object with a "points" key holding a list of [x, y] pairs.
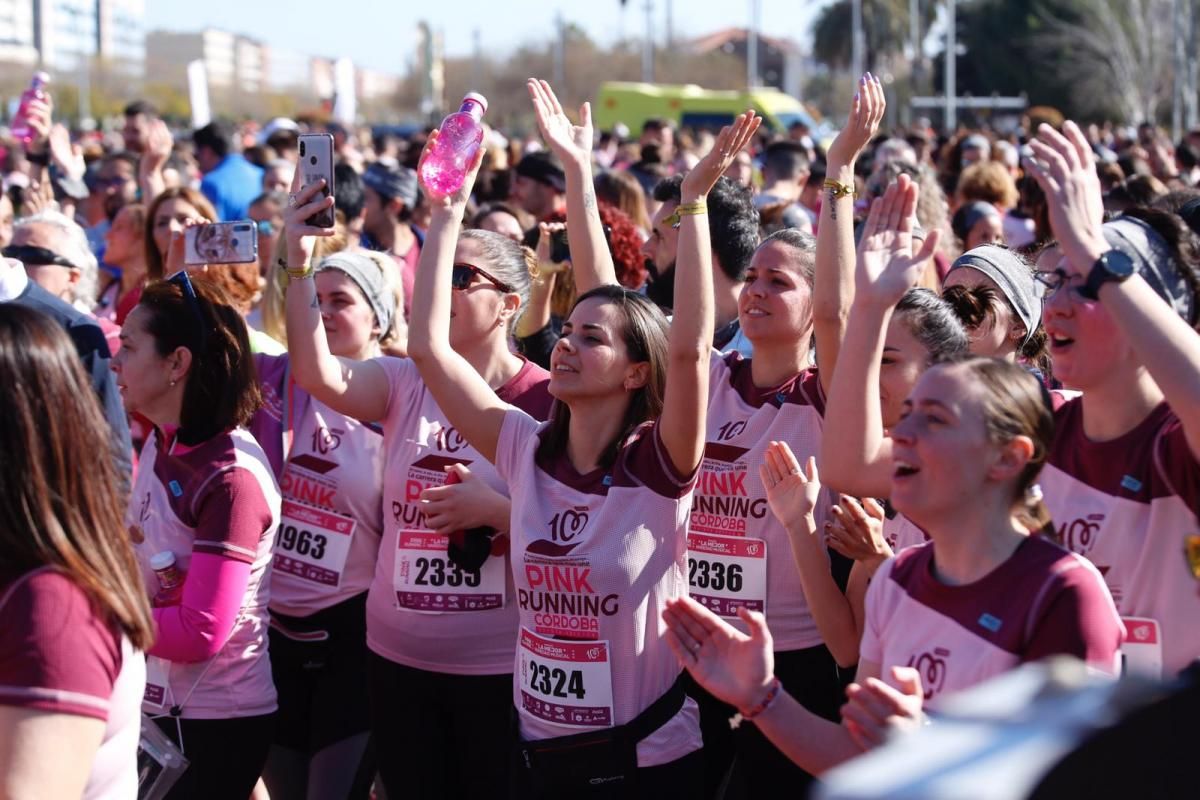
{"points": [[302, 148], [312, 160], [234, 241]]}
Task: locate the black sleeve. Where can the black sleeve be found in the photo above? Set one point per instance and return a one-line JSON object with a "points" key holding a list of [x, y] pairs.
{"points": [[93, 352], [536, 347]]}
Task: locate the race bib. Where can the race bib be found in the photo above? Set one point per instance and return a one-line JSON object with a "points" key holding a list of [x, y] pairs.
{"points": [[425, 579], [157, 675], [1142, 651], [727, 572], [312, 544], [567, 683]]}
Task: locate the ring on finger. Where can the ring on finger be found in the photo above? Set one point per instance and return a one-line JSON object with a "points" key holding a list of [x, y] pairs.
{"points": [[292, 199]]}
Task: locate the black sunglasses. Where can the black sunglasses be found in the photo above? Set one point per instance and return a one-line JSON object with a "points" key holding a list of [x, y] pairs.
{"points": [[36, 256], [184, 283], [461, 277]]}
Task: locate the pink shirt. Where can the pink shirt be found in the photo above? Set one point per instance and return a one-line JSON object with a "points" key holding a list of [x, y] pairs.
{"points": [[1128, 505], [900, 532], [731, 502], [332, 486], [432, 622], [58, 656], [595, 559], [1041, 601], [220, 499]]}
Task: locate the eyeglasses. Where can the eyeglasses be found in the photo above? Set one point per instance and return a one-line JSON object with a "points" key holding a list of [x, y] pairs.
{"points": [[182, 280], [32, 255], [1047, 284], [113, 180], [463, 273]]}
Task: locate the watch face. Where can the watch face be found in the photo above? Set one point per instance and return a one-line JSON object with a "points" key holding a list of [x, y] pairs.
{"points": [[1117, 264]]}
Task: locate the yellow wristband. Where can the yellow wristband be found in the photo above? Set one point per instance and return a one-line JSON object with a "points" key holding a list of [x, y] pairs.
{"points": [[306, 271], [686, 210], [837, 189]]}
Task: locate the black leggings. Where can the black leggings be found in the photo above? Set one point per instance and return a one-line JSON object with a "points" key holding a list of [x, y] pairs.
{"points": [[761, 770], [439, 735], [225, 756]]}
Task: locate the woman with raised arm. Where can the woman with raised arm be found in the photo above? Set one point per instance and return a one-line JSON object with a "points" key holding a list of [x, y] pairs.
{"points": [[330, 471], [1123, 480], [601, 496], [739, 555], [977, 600], [441, 617]]}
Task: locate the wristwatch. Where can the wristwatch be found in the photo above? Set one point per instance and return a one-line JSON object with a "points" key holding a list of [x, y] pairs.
{"points": [[1113, 266]]}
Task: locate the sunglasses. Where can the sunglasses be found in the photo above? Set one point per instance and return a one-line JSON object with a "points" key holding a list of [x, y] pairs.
{"points": [[32, 255], [184, 283], [463, 274]]}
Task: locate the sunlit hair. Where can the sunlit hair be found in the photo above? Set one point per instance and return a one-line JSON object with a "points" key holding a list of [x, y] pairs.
{"points": [[222, 390], [643, 333], [507, 261], [61, 505]]}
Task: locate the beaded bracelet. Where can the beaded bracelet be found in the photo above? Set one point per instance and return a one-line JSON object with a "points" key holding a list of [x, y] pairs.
{"points": [[306, 271], [772, 692]]}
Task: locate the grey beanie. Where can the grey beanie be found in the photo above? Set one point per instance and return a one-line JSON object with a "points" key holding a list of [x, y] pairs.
{"points": [[1012, 275], [373, 282], [1151, 255]]}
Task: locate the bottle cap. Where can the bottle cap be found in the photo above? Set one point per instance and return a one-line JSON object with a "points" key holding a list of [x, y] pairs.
{"points": [[163, 560], [478, 98], [41, 77]]}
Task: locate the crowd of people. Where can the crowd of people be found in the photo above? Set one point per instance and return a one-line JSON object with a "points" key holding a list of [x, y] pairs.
{"points": [[697, 463]]}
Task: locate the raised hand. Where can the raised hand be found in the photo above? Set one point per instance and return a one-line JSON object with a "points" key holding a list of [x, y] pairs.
{"points": [[68, 159], [730, 142], [568, 141], [39, 115], [887, 266], [791, 492], [856, 530], [1065, 167], [159, 144], [298, 235], [447, 201], [735, 667], [866, 112]]}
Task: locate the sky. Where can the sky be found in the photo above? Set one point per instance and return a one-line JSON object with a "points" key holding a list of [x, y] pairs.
{"points": [[381, 35]]}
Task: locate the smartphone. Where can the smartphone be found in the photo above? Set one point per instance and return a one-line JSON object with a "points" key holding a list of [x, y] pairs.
{"points": [[316, 164], [221, 243], [560, 247]]}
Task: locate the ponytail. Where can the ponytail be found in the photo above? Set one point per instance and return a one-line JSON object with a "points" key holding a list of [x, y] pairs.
{"points": [[1035, 516]]}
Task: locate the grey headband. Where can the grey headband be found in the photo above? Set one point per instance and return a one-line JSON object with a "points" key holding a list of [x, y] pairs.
{"points": [[1012, 275], [1151, 255], [968, 216], [392, 182], [375, 285]]}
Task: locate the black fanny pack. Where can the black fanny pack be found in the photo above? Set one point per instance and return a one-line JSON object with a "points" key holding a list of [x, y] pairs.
{"points": [[596, 759]]}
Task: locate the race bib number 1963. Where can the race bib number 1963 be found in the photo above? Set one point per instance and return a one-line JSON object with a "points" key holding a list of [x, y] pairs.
{"points": [[567, 683], [313, 543]]}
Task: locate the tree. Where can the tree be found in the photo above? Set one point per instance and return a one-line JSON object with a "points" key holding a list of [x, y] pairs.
{"points": [[885, 28]]}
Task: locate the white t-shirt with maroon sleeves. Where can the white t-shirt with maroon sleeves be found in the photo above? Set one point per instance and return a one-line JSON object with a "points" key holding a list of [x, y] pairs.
{"points": [[739, 554], [1041, 601], [422, 610], [58, 656], [219, 498], [330, 470], [595, 558], [1129, 505]]}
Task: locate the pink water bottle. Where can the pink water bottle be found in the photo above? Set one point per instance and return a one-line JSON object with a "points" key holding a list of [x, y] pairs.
{"points": [[36, 91], [459, 138]]}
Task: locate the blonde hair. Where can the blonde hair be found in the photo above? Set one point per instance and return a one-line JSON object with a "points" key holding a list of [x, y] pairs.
{"points": [[274, 312]]}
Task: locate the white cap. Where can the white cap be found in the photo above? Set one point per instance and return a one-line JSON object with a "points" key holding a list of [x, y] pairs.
{"points": [[478, 98], [41, 77], [163, 560]]}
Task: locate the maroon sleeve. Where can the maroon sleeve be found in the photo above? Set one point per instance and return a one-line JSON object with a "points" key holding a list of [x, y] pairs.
{"points": [[1076, 618], [1176, 465], [56, 654], [232, 515], [646, 460]]}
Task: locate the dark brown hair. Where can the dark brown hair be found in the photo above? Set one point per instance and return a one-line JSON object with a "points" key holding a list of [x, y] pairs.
{"points": [[154, 259], [222, 389], [976, 306], [61, 506], [644, 334], [1016, 404]]}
